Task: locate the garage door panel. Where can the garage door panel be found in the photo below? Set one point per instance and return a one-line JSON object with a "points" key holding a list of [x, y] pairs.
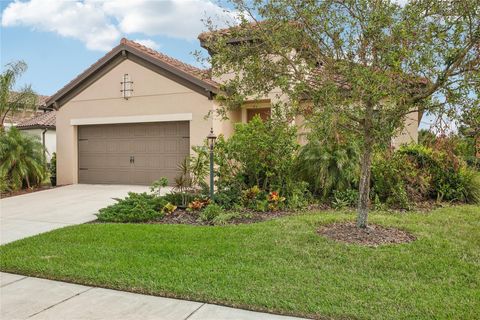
{"points": [[93, 146], [90, 132], [157, 149], [147, 176], [105, 176]]}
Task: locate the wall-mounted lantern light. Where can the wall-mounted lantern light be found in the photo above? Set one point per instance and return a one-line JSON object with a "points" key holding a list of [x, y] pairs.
{"points": [[127, 86]]}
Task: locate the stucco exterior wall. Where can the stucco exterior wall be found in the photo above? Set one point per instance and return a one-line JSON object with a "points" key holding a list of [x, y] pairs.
{"points": [[50, 140], [409, 133], [153, 94]]}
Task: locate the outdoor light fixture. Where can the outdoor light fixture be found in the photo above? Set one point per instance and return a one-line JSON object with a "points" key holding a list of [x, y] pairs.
{"points": [[127, 87], [211, 142]]}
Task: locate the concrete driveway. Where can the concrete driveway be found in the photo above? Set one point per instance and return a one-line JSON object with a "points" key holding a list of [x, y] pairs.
{"points": [[30, 214]]}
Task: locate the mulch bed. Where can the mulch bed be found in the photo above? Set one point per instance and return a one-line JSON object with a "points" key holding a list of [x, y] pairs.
{"points": [[24, 191], [185, 217], [372, 236]]}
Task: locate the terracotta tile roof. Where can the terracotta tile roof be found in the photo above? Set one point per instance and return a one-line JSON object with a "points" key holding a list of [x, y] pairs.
{"points": [[44, 120], [201, 74], [226, 31], [24, 115], [40, 98]]}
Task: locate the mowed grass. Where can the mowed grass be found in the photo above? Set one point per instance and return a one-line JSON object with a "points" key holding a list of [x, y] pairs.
{"points": [[280, 266]]}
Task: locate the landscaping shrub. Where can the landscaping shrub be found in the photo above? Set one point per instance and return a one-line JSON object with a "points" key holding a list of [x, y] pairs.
{"points": [[390, 176], [157, 185], [260, 155], [417, 173], [169, 208], [193, 173], [136, 207], [211, 212], [197, 204], [225, 217], [53, 169], [22, 161], [329, 162], [345, 198], [180, 199], [471, 183]]}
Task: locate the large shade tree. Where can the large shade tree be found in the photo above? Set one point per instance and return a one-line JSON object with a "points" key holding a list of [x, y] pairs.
{"points": [[370, 62], [12, 101]]}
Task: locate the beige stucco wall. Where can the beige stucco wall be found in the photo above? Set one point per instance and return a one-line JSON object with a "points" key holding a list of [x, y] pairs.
{"points": [[153, 95], [409, 132]]}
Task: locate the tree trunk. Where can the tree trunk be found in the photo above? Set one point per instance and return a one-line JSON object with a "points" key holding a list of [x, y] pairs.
{"points": [[366, 168], [364, 187]]}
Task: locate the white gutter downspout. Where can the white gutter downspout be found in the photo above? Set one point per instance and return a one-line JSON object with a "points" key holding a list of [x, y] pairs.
{"points": [[43, 142]]}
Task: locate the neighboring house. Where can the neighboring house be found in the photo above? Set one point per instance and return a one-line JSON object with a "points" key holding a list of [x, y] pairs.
{"points": [[134, 115], [42, 126], [14, 118]]}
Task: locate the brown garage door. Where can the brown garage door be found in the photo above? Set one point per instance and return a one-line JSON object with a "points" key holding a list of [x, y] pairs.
{"points": [[131, 153]]}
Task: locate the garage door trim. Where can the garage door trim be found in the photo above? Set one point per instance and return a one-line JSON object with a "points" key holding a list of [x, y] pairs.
{"points": [[133, 119]]}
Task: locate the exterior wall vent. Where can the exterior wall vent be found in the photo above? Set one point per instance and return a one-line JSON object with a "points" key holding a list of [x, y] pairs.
{"points": [[127, 87]]}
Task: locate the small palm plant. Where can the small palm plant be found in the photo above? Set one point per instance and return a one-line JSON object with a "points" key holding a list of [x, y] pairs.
{"points": [[329, 163], [22, 160]]}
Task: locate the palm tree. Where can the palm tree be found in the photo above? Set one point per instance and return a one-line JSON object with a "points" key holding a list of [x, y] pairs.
{"points": [[20, 100], [21, 159], [329, 163]]}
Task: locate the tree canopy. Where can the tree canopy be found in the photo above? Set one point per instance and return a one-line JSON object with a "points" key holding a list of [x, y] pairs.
{"points": [[14, 101], [371, 62]]}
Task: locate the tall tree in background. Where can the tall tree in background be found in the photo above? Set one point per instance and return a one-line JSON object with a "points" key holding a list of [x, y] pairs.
{"points": [[14, 101], [369, 61], [470, 126]]}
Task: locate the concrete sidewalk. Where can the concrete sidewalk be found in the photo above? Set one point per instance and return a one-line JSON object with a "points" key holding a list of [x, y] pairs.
{"points": [[33, 298]]}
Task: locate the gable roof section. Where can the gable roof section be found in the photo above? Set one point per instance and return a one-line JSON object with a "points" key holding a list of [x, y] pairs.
{"points": [[44, 121], [195, 78]]}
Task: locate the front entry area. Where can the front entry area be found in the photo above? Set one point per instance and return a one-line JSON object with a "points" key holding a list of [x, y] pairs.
{"points": [[133, 153]]}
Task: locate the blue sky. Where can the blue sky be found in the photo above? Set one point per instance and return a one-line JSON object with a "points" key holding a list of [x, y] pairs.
{"points": [[58, 39]]}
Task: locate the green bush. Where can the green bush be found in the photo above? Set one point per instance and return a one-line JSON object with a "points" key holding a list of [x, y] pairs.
{"points": [[470, 182], [211, 212], [329, 162], [157, 185], [180, 199], [389, 179], [259, 154], [345, 198], [136, 207], [53, 165], [417, 173], [225, 218], [22, 160]]}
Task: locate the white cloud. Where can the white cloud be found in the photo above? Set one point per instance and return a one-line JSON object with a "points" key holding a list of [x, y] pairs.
{"points": [[148, 43], [173, 18], [100, 24], [80, 20]]}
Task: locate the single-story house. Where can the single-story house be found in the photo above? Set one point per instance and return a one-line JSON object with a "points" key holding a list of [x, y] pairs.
{"points": [[43, 127], [12, 119], [134, 115]]}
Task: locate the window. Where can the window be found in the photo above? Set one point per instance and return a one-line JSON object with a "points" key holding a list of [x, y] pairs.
{"points": [[264, 113]]}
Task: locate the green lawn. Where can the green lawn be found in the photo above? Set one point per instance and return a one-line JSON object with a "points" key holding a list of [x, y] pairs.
{"points": [[280, 266]]}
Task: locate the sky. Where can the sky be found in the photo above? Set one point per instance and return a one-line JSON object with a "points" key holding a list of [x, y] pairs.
{"points": [[59, 39]]}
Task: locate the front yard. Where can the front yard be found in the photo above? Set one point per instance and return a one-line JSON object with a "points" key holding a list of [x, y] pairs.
{"points": [[281, 265]]}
